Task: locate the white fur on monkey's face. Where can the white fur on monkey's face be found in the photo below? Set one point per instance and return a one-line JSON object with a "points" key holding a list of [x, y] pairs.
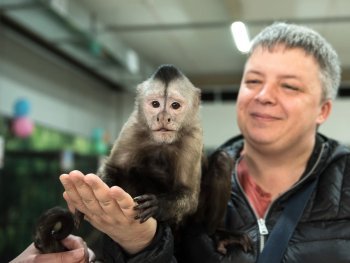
{"points": [[165, 109]]}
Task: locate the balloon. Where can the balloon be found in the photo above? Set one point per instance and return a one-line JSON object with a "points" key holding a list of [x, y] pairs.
{"points": [[95, 48], [22, 127], [97, 134], [22, 107], [100, 147]]}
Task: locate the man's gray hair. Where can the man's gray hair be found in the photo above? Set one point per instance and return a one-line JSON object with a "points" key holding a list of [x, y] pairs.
{"points": [[297, 36]]}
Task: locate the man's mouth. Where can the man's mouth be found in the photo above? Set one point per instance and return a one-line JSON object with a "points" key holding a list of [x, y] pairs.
{"points": [[264, 116]]}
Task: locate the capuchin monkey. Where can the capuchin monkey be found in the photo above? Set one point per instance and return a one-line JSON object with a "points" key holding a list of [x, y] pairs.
{"points": [[157, 156]]}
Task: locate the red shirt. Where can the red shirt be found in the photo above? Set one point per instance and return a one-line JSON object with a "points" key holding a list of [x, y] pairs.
{"points": [[258, 198]]}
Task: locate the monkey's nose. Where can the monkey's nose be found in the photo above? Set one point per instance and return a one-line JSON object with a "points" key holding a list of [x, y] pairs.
{"points": [[164, 117]]}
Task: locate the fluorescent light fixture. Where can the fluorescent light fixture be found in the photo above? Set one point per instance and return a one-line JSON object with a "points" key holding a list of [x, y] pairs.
{"points": [[240, 36]]}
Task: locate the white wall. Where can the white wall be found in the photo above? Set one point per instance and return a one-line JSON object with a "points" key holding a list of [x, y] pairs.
{"points": [[219, 123], [62, 97], [338, 124]]}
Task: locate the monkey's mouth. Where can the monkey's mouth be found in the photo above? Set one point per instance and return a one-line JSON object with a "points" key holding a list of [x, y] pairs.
{"points": [[163, 129]]}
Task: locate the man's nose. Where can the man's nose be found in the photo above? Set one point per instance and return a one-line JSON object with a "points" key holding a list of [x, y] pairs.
{"points": [[267, 93]]}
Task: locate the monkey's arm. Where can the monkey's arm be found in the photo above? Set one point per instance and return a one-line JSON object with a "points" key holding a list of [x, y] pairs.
{"points": [[176, 196], [214, 196], [172, 203], [215, 190], [168, 207]]}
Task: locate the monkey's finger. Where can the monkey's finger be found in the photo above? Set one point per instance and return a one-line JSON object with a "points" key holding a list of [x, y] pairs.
{"points": [[78, 218], [143, 198], [146, 214], [146, 204]]}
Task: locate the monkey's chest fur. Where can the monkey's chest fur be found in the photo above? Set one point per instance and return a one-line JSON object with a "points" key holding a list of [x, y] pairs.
{"points": [[152, 170]]}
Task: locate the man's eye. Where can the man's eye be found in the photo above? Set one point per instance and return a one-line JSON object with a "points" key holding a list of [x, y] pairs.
{"points": [[155, 104], [252, 81], [175, 105], [287, 86]]}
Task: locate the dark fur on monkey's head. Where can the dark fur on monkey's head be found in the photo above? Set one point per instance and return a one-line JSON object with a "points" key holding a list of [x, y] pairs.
{"points": [[166, 73]]}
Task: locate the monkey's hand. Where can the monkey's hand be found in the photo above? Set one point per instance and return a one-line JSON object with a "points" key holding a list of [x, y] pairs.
{"points": [[147, 206], [78, 218], [225, 239], [53, 225]]}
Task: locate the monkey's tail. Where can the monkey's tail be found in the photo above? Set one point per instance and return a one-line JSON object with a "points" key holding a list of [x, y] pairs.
{"points": [[52, 226]]}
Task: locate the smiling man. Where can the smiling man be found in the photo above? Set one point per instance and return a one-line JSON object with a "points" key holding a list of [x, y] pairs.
{"points": [[289, 82], [279, 107]]}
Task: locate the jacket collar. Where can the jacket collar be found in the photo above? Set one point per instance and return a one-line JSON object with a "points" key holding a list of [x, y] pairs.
{"points": [[325, 151]]}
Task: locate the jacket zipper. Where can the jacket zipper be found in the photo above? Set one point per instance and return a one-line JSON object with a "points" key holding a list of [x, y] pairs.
{"points": [[263, 231]]}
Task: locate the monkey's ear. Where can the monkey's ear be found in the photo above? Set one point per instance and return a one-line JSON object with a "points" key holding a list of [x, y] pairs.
{"points": [[197, 97], [139, 88]]}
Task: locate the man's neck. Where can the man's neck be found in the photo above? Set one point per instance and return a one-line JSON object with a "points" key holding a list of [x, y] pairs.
{"points": [[276, 172]]}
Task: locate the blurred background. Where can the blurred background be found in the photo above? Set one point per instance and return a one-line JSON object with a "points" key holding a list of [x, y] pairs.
{"points": [[69, 68]]}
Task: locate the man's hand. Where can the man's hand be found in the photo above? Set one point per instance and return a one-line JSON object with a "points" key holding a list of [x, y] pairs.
{"points": [[78, 253], [110, 210]]}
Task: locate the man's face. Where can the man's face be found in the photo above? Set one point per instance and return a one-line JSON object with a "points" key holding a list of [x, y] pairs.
{"points": [[279, 102]]}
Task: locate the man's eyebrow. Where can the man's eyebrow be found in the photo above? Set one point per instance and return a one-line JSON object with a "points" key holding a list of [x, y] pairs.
{"points": [[282, 76], [290, 76], [253, 71]]}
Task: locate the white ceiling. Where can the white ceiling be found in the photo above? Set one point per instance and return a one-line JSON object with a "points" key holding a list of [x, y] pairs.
{"points": [[194, 34], [209, 50]]}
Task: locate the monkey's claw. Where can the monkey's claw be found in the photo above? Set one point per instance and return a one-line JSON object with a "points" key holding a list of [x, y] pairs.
{"points": [[147, 206], [78, 217], [242, 240]]}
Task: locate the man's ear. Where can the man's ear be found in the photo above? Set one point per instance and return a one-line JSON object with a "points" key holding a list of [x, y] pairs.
{"points": [[325, 111]]}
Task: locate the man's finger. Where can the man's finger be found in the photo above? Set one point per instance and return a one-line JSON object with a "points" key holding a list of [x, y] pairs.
{"points": [[69, 186], [73, 242], [88, 204], [70, 205], [73, 256], [101, 192], [83, 189], [125, 201]]}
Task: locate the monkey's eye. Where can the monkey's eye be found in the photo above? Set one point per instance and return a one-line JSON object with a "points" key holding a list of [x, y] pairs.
{"points": [[175, 105], [155, 104]]}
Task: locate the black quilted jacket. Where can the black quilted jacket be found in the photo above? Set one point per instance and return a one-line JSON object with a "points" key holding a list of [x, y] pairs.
{"points": [[322, 235]]}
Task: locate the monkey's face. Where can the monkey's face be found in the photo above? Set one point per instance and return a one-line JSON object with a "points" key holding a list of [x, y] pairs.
{"points": [[165, 109]]}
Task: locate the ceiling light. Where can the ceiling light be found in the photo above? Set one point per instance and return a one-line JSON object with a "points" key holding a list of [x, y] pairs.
{"points": [[240, 36]]}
